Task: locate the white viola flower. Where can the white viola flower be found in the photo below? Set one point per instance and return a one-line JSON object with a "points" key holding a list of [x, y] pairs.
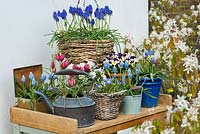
{"points": [[171, 2], [82, 65], [185, 122], [181, 103], [70, 66], [193, 114], [91, 64], [198, 6], [168, 131], [190, 63], [192, 7], [198, 27]]}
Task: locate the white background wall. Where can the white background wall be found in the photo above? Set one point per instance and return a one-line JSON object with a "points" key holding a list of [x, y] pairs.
{"points": [[23, 24]]}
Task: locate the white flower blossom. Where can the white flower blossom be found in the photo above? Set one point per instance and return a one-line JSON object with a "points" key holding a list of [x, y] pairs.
{"points": [[193, 114], [192, 7], [190, 63], [91, 64], [185, 122], [181, 103], [169, 112], [168, 131], [182, 46]]}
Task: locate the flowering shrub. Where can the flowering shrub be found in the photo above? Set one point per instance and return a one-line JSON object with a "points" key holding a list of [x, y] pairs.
{"points": [[71, 85], [85, 24], [182, 118], [174, 40]]}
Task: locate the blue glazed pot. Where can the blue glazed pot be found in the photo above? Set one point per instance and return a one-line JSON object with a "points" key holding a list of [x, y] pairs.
{"points": [[151, 88]]}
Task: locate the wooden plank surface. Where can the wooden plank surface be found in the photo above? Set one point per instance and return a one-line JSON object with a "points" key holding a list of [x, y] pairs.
{"points": [[125, 121], [43, 121]]}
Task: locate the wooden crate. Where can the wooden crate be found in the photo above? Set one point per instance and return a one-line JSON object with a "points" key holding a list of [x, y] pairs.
{"points": [[56, 124]]}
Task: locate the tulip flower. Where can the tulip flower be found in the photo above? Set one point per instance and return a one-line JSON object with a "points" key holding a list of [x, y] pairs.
{"points": [[64, 64], [43, 78], [58, 57], [52, 64], [23, 79], [76, 67], [71, 82], [54, 70], [62, 57], [31, 76], [87, 68]]}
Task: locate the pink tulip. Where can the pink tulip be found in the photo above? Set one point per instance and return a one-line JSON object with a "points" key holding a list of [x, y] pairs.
{"points": [[76, 67], [58, 57], [87, 68], [62, 57], [71, 82], [64, 64], [52, 64], [53, 70]]}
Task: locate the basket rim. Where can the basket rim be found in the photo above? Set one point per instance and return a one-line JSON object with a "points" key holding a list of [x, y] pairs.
{"points": [[93, 92], [85, 41]]}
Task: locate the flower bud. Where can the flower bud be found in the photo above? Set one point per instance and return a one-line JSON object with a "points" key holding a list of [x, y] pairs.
{"points": [[34, 82], [53, 70], [64, 64], [23, 79], [76, 67], [71, 82], [62, 57], [58, 57], [87, 68], [31, 76], [43, 78], [52, 64]]}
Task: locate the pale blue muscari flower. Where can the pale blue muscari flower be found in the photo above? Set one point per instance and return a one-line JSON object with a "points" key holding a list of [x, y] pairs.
{"points": [[23, 79], [31, 76]]}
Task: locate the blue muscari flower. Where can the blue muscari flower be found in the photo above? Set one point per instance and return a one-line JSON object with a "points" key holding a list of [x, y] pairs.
{"points": [[96, 13], [130, 75], [121, 64], [34, 82], [98, 85], [63, 14], [108, 81], [107, 10], [138, 66], [31, 76], [114, 70], [79, 11], [106, 65], [123, 79], [126, 64], [55, 16], [52, 76], [43, 78], [59, 13], [92, 22], [89, 9], [86, 15], [153, 60], [23, 79], [72, 10], [148, 53]]}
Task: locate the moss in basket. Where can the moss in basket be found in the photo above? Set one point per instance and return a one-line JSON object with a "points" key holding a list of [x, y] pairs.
{"points": [[85, 24]]}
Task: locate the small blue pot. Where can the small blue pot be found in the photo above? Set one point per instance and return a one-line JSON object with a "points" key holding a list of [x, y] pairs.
{"points": [[151, 91]]}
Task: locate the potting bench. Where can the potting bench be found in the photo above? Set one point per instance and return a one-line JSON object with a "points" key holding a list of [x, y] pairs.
{"points": [[33, 122]]}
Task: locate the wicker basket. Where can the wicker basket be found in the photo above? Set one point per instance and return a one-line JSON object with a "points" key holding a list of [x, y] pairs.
{"points": [[107, 105], [86, 50]]}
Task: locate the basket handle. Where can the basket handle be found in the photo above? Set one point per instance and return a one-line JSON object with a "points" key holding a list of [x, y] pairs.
{"points": [[71, 72]]}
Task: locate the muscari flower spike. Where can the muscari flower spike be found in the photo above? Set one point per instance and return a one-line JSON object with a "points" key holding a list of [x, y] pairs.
{"points": [[153, 60], [121, 64], [63, 14], [89, 9], [106, 65], [126, 64], [52, 76], [55, 16], [108, 81], [23, 79], [43, 78], [34, 82], [114, 70], [72, 10], [31, 76], [92, 22], [130, 75]]}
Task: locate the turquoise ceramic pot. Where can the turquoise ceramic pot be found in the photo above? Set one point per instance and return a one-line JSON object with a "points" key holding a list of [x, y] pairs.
{"points": [[131, 104]]}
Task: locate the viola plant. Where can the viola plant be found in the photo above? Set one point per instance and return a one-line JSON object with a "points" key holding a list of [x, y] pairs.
{"points": [[85, 23]]}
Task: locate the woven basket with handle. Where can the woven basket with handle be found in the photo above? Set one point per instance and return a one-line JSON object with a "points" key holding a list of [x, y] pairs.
{"points": [[86, 50], [107, 105]]}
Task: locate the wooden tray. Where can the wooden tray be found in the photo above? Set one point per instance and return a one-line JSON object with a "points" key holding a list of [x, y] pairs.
{"points": [[63, 125]]}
